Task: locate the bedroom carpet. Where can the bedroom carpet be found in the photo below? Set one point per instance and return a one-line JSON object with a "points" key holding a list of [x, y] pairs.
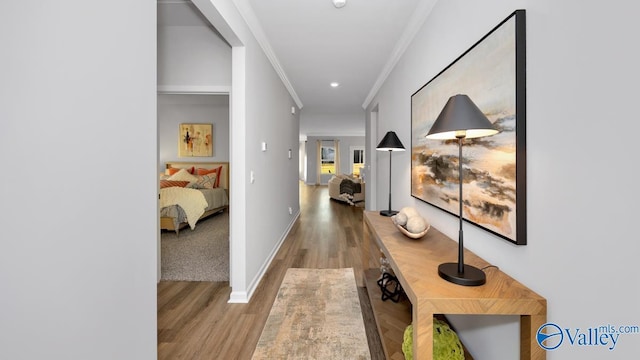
{"points": [[201, 254], [316, 315]]}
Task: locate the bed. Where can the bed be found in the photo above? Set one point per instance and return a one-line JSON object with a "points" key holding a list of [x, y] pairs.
{"points": [[184, 200]]}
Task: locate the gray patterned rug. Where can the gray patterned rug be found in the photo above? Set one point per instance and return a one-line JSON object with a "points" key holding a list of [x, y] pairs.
{"points": [[316, 315], [201, 254]]}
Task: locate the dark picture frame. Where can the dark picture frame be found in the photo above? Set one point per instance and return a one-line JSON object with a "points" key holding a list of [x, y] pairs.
{"points": [[492, 73]]}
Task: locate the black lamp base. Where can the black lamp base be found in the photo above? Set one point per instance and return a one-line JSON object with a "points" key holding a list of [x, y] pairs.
{"points": [[388, 212], [471, 276]]}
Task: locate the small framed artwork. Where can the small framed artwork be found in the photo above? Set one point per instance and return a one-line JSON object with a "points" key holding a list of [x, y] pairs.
{"points": [[195, 140]]}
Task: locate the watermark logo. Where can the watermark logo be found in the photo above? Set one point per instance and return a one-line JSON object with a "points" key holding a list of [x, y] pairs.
{"points": [[551, 336]]}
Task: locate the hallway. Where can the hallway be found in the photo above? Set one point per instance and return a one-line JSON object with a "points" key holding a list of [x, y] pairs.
{"points": [[196, 322]]}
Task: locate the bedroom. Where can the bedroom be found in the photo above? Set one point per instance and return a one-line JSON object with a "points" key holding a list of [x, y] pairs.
{"points": [[194, 78]]}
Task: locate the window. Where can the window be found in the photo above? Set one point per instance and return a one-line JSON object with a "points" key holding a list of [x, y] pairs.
{"points": [[357, 159], [328, 157]]}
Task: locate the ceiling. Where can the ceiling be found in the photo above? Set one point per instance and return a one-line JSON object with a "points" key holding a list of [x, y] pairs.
{"points": [[315, 43]]}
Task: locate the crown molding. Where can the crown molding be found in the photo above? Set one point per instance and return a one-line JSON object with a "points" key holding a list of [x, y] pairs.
{"points": [[194, 89], [335, 134], [413, 26], [174, 2], [249, 16]]}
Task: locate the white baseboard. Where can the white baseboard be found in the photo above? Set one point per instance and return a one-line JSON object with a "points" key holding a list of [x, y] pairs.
{"points": [[238, 297], [243, 297]]}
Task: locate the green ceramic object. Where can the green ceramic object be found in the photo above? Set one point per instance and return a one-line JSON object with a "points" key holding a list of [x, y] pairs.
{"points": [[446, 344]]}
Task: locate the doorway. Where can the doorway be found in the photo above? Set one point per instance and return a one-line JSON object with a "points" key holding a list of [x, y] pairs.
{"points": [[201, 253], [194, 85]]}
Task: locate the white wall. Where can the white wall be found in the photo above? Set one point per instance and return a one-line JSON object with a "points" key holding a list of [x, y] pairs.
{"points": [[193, 56], [317, 123], [260, 111], [302, 161], [371, 165], [79, 210], [193, 61], [174, 110], [582, 70], [275, 189]]}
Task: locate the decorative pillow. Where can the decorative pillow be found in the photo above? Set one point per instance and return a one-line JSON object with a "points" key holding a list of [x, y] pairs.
{"points": [[219, 175], [169, 183], [183, 175], [217, 171], [203, 171], [204, 182], [171, 171]]}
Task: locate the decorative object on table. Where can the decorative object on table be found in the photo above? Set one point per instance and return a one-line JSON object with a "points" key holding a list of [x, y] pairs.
{"points": [[461, 119], [385, 266], [446, 343], [388, 282], [390, 142], [407, 342], [390, 287], [493, 73], [411, 223], [195, 140]]}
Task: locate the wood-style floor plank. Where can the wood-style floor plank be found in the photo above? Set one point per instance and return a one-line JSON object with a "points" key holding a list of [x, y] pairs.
{"points": [[196, 322]]}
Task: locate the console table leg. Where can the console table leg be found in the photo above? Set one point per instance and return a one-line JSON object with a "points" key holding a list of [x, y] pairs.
{"points": [[529, 348], [422, 334]]}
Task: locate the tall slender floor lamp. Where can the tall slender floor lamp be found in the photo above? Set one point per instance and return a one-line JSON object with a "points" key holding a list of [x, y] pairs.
{"points": [[461, 119], [390, 142]]}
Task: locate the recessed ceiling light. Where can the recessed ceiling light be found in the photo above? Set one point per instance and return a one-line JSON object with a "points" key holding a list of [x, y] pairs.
{"points": [[334, 84], [339, 3]]}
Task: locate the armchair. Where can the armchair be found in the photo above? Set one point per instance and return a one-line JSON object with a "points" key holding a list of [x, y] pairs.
{"points": [[335, 193]]}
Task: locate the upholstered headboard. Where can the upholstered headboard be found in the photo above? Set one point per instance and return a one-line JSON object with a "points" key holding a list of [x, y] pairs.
{"points": [[224, 178]]}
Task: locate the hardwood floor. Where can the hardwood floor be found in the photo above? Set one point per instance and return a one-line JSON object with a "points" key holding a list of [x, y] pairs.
{"points": [[196, 322]]}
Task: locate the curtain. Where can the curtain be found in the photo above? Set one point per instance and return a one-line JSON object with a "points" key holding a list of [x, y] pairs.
{"points": [[318, 161], [336, 147]]}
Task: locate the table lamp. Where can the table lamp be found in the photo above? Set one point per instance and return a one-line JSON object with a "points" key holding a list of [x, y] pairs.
{"points": [[461, 119], [390, 142]]}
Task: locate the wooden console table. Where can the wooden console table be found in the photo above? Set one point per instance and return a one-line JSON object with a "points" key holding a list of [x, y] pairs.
{"points": [[415, 264]]}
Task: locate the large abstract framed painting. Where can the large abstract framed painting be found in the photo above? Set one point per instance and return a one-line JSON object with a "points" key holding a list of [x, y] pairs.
{"points": [[195, 140], [493, 74]]}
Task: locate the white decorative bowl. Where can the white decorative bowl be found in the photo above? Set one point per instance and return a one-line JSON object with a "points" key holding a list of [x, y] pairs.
{"points": [[410, 234]]}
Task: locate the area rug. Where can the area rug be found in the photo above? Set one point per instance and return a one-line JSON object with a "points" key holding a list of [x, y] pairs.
{"points": [[316, 315], [201, 254]]}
